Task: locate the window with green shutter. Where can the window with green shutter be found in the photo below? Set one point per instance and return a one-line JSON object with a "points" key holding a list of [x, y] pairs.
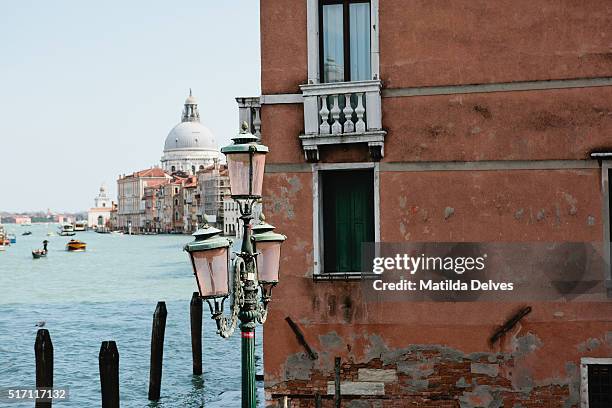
{"points": [[348, 218]]}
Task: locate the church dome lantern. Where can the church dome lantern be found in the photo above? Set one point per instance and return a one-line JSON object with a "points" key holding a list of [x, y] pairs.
{"points": [[189, 145]]}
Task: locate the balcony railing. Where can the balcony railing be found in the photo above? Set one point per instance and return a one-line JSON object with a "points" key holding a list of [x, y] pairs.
{"points": [[342, 112], [249, 110]]}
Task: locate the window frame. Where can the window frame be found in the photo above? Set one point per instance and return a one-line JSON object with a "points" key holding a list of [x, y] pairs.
{"points": [[585, 362], [346, 34], [315, 37], [606, 168], [318, 169]]}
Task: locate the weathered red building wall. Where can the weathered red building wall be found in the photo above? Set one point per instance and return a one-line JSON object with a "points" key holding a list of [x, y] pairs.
{"points": [[437, 354], [426, 43], [284, 53]]}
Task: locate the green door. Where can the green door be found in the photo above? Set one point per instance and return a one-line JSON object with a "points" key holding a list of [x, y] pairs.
{"points": [[348, 216]]}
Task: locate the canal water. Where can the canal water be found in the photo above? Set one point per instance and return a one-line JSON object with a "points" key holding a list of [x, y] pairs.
{"points": [[110, 292]]}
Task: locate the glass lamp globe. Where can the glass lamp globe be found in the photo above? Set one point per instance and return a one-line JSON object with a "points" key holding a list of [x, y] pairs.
{"points": [[267, 245], [209, 254], [246, 160]]}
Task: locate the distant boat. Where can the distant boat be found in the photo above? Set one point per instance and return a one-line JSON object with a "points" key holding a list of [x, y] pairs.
{"points": [[76, 246], [26, 224], [4, 242], [66, 230], [39, 253], [50, 234], [26, 233], [80, 225]]}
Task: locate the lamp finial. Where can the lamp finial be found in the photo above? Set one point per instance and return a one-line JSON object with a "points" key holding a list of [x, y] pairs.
{"points": [[244, 127]]}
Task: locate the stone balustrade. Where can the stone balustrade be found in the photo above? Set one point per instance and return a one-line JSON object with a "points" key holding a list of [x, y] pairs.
{"points": [[342, 112]]}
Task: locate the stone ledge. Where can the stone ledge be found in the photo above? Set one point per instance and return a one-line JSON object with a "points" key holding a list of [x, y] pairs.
{"points": [[357, 388], [376, 375]]}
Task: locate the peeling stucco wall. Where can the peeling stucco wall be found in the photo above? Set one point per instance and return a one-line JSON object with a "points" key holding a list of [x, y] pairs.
{"points": [[511, 374]]}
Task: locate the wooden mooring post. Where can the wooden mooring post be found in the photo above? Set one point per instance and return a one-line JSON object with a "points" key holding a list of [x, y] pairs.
{"points": [[195, 312], [157, 350], [43, 351], [337, 393], [108, 359]]}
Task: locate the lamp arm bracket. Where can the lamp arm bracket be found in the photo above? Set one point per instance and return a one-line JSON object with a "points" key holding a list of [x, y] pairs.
{"points": [[226, 325], [266, 298], [262, 315]]}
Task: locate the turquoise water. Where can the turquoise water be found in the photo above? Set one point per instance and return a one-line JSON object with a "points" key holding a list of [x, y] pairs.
{"points": [[110, 292]]}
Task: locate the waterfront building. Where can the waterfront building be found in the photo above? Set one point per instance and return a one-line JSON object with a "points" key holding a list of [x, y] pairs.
{"points": [[190, 146], [150, 197], [232, 225], [213, 184], [99, 214], [170, 202], [433, 122], [230, 216], [190, 204], [64, 219], [113, 220], [130, 193], [23, 219]]}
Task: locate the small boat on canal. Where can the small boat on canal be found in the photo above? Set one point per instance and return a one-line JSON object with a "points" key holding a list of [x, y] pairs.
{"points": [[39, 253], [12, 238], [76, 246], [26, 233]]}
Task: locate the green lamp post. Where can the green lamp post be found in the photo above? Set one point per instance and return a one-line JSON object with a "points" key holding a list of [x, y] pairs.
{"points": [[256, 266]]}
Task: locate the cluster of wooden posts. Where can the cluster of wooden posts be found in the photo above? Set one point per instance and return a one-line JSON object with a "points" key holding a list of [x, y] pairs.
{"points": [[109, 357]]}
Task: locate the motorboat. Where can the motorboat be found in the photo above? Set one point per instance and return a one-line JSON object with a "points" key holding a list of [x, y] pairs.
{"points": [[12, 238], [75, 245], [26, 233], [66, 230], [80, 225]]}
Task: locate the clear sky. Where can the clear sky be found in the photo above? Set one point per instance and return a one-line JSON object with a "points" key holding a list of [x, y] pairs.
{"points": [[89, 90]]}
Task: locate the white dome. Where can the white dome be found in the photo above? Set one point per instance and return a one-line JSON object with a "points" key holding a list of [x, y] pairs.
{"points": [[190, 136]]}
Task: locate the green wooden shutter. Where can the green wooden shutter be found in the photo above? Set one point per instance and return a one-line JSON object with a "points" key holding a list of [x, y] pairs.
{"points": [[350, 221], [343, 227]]}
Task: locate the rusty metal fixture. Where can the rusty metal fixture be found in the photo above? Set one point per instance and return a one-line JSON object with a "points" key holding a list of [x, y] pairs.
{"points": [[510, 323]]}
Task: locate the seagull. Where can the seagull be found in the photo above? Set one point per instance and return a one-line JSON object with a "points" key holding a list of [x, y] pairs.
{"points": [[40, 323]]}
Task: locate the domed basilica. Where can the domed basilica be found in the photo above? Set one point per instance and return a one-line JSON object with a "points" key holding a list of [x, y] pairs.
{"points": [[190, 146]]}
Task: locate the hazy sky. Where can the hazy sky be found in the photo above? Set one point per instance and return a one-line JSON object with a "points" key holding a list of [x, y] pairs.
{"points": [[89, 90]]}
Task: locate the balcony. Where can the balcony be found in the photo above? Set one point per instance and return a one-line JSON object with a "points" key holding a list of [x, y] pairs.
{"points": [[341, 113]]}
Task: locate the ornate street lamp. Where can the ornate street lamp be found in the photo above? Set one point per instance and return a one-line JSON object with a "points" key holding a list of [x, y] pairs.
{"points": [[267, 244], [255, 266]]}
